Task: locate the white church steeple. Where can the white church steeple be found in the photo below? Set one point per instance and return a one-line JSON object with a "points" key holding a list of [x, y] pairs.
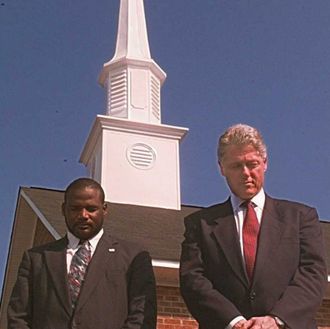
{"points": [[131, 78], [129, 151]]}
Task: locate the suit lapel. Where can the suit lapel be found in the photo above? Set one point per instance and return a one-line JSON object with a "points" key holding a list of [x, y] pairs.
{"points": [[269, 237], [56, 263], [271, 230], [101, 261], [226, 234]]}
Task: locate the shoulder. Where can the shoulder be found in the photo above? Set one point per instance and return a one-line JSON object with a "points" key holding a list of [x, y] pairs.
{"points": [[36, 254], [56, 245], [288, 205], [290, 211], [210, 214]]}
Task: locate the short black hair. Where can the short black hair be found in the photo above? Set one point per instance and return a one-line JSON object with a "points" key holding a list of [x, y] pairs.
{"points": [[82, 183]]}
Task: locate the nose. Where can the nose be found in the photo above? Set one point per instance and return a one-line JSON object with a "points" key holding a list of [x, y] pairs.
{"points": [[245, 171], [84, 213]]}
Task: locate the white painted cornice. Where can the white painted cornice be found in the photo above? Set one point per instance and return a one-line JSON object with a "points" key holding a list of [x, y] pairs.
{"points": [[165, 264], [103, 122], [133, 63]]}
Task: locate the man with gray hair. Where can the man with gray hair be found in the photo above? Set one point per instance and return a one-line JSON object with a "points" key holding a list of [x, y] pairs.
{"points": [[253, 261]]}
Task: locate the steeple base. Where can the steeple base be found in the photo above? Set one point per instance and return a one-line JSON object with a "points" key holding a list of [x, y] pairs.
{"points": [[136, 163]]}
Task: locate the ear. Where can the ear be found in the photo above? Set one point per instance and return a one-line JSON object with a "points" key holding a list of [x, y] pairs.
{"points": [[265, 164], [222, 170], [105, 208]]}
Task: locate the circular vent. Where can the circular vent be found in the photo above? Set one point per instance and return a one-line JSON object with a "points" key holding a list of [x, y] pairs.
{"points": [[141, 156]]}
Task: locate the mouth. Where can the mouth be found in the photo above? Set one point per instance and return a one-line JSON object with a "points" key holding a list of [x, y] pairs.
{"points": [[82, 227]]}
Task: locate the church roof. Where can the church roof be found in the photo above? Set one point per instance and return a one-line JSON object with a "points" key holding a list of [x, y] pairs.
{"points": [[159, 230]]}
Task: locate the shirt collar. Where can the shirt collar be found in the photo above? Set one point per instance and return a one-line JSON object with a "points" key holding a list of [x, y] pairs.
{"points": [[258, 200], [74, 241]]}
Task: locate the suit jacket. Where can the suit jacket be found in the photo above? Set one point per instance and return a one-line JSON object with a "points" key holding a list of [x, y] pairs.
{"points": [[118, 291], [290, 271]]}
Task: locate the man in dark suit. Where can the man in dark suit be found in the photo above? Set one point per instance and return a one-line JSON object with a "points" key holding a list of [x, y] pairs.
{"points": [[86, 280], [253, 261]]}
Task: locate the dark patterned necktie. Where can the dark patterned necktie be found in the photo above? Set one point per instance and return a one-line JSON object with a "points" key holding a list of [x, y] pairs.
{"points": [[77, 271], [250, 238]]}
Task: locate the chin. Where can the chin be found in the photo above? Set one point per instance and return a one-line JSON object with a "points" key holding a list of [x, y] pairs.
{"points": [[83, 235], [248, 195]]}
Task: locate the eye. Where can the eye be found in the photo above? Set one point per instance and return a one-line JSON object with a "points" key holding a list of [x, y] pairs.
{"points": [[74, 208], [91, 209], [236, 165], [253, 164]]}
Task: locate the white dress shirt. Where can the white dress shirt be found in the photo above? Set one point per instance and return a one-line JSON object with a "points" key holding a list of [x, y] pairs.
{"points": [[73, 246]]}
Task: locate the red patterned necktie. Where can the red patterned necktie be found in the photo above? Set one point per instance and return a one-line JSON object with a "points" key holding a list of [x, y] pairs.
{"points": [[250, 238], [77, 271]]}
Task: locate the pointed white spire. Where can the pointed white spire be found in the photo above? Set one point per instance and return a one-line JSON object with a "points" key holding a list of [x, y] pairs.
{"points": [[132, 37], [131, 78]]}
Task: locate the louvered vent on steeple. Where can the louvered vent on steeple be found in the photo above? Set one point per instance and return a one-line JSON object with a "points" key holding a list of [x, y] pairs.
{"points": [[155, 97], [141, 156], [117, 95]]}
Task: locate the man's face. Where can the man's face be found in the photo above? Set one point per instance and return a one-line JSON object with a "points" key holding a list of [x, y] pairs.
{"points": [[244, 170], [84, 212]]}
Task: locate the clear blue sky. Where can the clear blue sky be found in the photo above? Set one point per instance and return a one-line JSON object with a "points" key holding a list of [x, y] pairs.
{"points": [[264, 63]]}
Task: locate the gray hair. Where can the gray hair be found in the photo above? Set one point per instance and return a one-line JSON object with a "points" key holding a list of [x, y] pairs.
{"points": [[241, 134]]}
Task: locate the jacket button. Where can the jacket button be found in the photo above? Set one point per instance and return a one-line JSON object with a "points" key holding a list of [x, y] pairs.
{"points": [[252, 295]]}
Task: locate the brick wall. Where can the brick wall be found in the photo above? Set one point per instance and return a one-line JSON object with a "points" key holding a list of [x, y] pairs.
{"points": [[173, 314], [323, 315], [172, 311]]}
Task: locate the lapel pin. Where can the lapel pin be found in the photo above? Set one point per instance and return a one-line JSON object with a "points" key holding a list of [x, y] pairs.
{"points": [[112, 249]]}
